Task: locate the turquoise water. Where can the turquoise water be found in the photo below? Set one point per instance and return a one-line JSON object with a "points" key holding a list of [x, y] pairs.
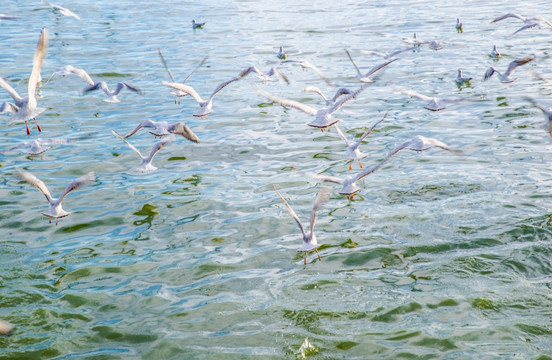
{"points": [[442, 255]]}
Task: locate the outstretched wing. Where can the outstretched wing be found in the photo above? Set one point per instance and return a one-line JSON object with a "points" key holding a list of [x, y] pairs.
{"points": [[354, 63], [165, 65], [8, 107], [365, 77], [145, 123], [321, 198], [195, 69], [518, 62], [38, 60], [34, 181], [75, 184], [508, 15], [129, 145], [158, 146], [369, 131], [181, 129], [288, 103], [341, 134], [15, 96], [184, 88], [293, 214], [122, 85]]}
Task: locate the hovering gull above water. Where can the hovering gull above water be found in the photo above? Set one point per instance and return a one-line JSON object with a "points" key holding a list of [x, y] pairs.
{"points": [[529, 22], [546, 111], [434, 103], [353, 152], [55, 211], [307, 65], [26, 108], [64, 11], [205, 106], [281, 53], [197, 25], [309, 238], [5, 328], [162, 128], [365, 78], [461, 79], [494, 53], [265, 76], [323, 117], [179, 93], [38, 146], [145, 161], [506, 78], [387, 55], [418, 143], [338, 93], [111, 95]]}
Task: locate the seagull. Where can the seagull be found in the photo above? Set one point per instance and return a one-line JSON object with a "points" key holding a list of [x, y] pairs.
{"points": [[418, 143], [55, 211], [25, 108], [505, 78], [461, 79], [162, 128], [459, 27], [438, 45], [205, 106], [5, 328], [281, 54], [307, 65], [546, 111], [529, 22], [7, 17], [111, 95], [70, 69], [434, 103], [494, 52], [38, 146], [197, 25], [309, 238], [145, 162], [353, 152], [338, 93], [323, 117], [414, 40], [179, 93], [64, 11], [265, 76], [387, 55], [365, 78]]}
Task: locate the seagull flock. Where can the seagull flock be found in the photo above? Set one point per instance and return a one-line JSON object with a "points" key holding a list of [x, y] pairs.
{"points": [[25, 108]]}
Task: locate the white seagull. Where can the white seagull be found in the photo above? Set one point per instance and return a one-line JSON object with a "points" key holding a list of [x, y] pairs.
{"points": [[145, 161], [323, 117], [309, 238], [353, 152], [64, 11], [546, 111], [162, 128], [178, 93], [265, 76], [459, 27], [307, 65], [414, 40], [529, 22], [197, 25], [417, 143], [281, 53], [505, 78], [205, 106], [338, 93], [434, 103], [26, 108], [55, 211], [461, 79], [38, 146], [495, 53], [365, 78]]}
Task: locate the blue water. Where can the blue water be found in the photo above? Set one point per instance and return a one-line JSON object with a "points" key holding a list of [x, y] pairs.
{"points": [[441, 255]]}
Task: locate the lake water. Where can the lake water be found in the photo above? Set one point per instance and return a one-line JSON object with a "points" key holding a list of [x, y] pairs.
{"points": [[441, 256]]}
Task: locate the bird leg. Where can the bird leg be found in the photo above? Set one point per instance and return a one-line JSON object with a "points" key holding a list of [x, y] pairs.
{"points": [[350, 165], [305, 261], [360, 163], [37, 126], [27, 125], [49, 220], [319, 258], [57, 221]]}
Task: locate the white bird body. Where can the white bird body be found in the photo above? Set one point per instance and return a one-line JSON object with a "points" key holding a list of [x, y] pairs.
{"points": [[495, 53], [25, 108], [146, 165], [323, 117], [353, 152], [309, 238], [55, 211], [338, 93], [197, 25], [38, 146], [349, 186], [307, 65], [433, 103], [64, 11], [281, 53], [461, 79], [179, 93], [163, 128], [506, 76]]}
